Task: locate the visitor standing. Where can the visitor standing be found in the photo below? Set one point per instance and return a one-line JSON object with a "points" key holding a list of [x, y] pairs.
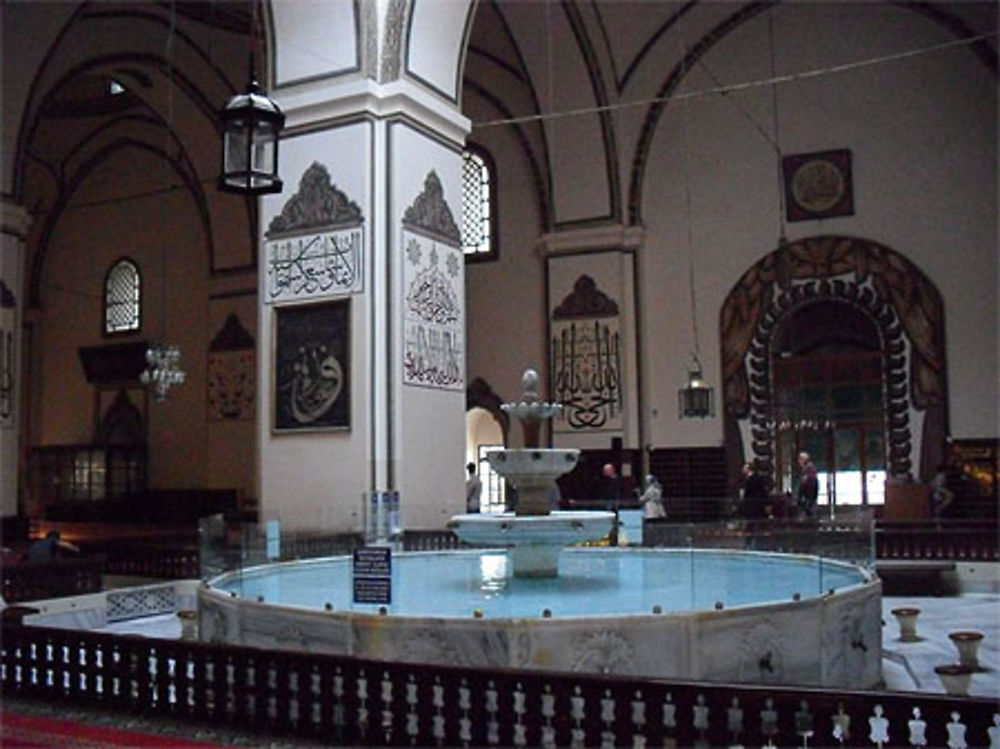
{"points": [[612, 491], [473, 489], [941, 495], [756, 493], [652, 499], [808, 484]]}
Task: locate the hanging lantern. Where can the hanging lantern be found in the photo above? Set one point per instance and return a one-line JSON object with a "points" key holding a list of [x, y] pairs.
{"points": [[251, 123], [698, 398]]}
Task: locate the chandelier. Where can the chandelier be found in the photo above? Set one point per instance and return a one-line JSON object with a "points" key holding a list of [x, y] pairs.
{"points": [[162, 370]]}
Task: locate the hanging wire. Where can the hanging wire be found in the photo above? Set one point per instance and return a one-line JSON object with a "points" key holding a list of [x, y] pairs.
{"points": [[169, 53], [715, 90], [687, 206], [777, 133]]}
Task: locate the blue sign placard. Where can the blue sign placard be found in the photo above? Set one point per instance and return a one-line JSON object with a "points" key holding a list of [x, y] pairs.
{"points": [[372, 573]]}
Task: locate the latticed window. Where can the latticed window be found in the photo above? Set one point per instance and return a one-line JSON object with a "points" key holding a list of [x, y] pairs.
{"points": [[479, 239], [122, 297]]}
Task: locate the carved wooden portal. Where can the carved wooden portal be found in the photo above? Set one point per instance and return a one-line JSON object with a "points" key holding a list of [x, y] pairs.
{"points": [[892, 292]]}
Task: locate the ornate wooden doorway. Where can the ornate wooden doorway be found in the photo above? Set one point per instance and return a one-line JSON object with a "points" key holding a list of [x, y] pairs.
{"points": [[870, 287], [829, 401]]}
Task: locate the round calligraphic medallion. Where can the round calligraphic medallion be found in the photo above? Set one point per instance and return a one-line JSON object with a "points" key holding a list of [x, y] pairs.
{"points": [[818, 185], [316, 386]]}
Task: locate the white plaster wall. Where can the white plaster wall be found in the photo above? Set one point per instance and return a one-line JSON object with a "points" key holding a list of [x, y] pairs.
{"points": [[922, 132], [317, 480], [560, 82], [21, 54], [436, 43], [161, 233], [428, 424], [505, 308], [315, 39], [933, 203]]}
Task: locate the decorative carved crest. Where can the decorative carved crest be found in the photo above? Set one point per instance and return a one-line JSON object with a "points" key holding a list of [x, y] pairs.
{"points": [[232, 337], [431, 213], [586, 300], [317, 204]]}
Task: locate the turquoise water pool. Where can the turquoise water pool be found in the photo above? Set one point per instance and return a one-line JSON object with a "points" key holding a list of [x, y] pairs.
{"points": [[591, 582]]}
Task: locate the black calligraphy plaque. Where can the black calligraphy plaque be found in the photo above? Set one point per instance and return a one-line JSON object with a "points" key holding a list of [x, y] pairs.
{"points": [[312, 367]]}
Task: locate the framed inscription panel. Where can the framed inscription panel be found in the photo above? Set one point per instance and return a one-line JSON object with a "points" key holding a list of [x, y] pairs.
{"points": [[312, 367], [818, 185]]}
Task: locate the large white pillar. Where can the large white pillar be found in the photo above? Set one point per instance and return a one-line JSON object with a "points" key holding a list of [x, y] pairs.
{"points": [[362, 320], [14, 222]]}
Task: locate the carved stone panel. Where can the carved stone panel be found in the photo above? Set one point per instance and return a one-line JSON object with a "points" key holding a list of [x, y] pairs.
{"points": [[231, 389]]}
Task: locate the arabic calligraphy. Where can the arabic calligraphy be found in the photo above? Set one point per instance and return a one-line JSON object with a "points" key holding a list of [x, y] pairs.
{"points": [[311, 382], [433, 346], [315, 265], [316, 383], [433, 356], [586, 362]]}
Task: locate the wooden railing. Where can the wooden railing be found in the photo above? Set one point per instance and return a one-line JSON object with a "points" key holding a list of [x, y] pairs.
{"points": [[955, 540], [431, 540], [351, 702], [32, 581]]}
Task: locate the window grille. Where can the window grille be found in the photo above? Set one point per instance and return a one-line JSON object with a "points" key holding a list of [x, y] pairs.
{"points": [[122, 298], [478, 204]]}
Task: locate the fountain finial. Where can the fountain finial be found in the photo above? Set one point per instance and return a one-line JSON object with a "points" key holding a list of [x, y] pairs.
{"points": [[530, 410]]}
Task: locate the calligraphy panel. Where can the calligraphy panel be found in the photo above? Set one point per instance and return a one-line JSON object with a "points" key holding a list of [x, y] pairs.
{"points": [[586, 369], [312, 367], [587, 359], [433, 319], [315, 247], [314, 265]]}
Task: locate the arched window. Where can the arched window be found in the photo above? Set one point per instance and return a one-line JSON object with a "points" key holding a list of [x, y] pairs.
{"points": [[122, 298], [479, 202]]}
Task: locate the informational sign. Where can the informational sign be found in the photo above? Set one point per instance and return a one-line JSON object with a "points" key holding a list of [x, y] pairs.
{"points": [[372, 573]]}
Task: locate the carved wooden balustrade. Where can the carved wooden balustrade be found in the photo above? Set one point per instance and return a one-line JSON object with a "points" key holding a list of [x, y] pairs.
{"points": [[345, 701], [955, 540]]}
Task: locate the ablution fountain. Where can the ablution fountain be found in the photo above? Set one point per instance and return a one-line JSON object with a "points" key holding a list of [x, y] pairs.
{"points": [[533, 598], [535, 533]]}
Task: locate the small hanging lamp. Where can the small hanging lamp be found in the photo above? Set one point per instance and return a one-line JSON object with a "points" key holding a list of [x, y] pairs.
{"points": [[250, 123], [698, 398]]}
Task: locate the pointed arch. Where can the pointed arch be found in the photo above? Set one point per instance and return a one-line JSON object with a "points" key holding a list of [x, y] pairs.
{"points": [[875, 280]]}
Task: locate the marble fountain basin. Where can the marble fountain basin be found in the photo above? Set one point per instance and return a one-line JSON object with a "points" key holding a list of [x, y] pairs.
{"points": [[698, 614]]}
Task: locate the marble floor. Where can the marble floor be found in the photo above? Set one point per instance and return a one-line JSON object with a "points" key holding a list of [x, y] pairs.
{"points": [[907, 666]]}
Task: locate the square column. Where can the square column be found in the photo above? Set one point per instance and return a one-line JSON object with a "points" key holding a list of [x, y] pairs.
{"points": [[362, 371], [15, 221]]}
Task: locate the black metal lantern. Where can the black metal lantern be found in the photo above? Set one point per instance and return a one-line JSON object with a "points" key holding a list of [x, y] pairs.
{"points": [[251, 123], [698, 398]]}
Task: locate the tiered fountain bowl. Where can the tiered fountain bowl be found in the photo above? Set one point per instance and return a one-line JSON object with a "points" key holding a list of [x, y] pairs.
{"points": [[534, 532]]}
